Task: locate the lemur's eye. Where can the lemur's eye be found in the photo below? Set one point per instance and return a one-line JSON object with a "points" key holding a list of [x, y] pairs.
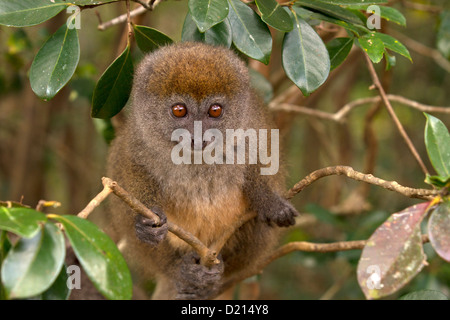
{"points": [[215, 110], [179, 110]]}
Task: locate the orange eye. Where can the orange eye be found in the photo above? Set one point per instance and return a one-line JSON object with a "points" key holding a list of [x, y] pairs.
{"points": [[179, 110], [215, 111]]}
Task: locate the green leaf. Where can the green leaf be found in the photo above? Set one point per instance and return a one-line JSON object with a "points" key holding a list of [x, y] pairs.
{"points": [[393, 254], [437, 142], [424, 295], [308, 15], [55, 63], [373, 46], [5, 246], [90, 2], [33, 264], [388, 13], [304, 57], [274, 15], [218, 35], [21, 221], [443, 35], [25, 13], [353, 2], [332, 10], [251, 36], [393, 44], [338, 50], [114, 87], [439, 230], [390, 60], [99, 257], [149, 39], [59, 289], [208, 13], [438, 181]]}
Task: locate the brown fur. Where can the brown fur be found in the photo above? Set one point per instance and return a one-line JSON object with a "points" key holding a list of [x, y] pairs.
{"points": [[203, 199], [216, 76]]}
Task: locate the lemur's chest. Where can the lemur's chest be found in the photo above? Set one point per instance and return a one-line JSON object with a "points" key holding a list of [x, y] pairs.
{"points": [[208, 217]]}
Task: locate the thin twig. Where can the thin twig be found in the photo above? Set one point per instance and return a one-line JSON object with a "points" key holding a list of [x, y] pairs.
{"points": [[130, 27], [377, 83], [94, 203], [343, 112], [359, 176], [121, 19], [133, 13]]}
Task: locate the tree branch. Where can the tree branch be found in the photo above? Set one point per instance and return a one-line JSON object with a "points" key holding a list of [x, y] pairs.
{"points": [[424, 194], [342, 113], [150, 6], [208, 257]]}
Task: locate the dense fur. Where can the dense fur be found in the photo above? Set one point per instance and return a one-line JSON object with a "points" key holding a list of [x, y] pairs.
{"points": [[202, 199]]}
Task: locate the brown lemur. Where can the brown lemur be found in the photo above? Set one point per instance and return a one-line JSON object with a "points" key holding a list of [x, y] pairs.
{"points": [[174, 87]]}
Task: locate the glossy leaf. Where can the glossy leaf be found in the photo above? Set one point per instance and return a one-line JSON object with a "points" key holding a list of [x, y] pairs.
{"points": [[59, 289], [391, 60], [393, 44], [393, 254], [25, 13], [219, 35], [114, 87], [354, 2], [439, 230], [274, 15], [21, 221], [99, 257], [424, 295], [443, 35], [438, 181], [338, 50], [149, 39], [251, 36], [5, 246], [332, 10], [90, 2], [308, 15], [33, 264], [437, 142], [208, 13], [55, 63], [373, 46], [304, 57]]}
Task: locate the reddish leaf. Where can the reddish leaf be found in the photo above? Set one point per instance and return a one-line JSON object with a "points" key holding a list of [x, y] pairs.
{"points": [[393, 254], [439, 230]]}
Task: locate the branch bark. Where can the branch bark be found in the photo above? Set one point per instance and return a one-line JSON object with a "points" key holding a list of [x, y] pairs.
{"points": [[424, 194], [342, 113]]}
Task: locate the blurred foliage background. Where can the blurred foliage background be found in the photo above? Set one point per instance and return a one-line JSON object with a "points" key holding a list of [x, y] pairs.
{"points": [[55, 151]]}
